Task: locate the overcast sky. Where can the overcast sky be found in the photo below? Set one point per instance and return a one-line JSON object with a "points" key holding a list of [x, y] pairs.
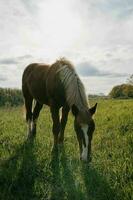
{"points": [[96, 35]]}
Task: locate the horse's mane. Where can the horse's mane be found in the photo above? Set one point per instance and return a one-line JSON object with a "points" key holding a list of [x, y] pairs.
{"points": [[74, 89]]}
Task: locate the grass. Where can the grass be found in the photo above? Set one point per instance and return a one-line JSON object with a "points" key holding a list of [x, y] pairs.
{"points": [[32, 170]]}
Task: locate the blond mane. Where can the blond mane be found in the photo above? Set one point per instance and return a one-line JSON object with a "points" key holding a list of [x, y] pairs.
{"points": [[75, 91]]}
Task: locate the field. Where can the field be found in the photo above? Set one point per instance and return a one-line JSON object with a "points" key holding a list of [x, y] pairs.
{"points": [[30, 170]]}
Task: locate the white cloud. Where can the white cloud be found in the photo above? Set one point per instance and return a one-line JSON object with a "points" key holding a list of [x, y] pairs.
{"points": [[106, 84], [97, 32]]}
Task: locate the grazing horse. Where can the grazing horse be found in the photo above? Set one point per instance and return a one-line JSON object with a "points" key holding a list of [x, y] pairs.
{"points": [[59, 86]]}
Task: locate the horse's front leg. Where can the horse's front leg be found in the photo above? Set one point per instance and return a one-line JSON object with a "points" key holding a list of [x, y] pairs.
{"points": [[56, 123], [64, 117]]}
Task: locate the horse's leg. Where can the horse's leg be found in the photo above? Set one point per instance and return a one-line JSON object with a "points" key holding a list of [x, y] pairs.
{"points": [[65, 111], [56, 123], [36, 112], [28, 106]]}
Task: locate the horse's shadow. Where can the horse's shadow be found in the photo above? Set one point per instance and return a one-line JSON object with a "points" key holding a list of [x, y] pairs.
{"points": [[64, 185], [17, 174], [97, 187]]}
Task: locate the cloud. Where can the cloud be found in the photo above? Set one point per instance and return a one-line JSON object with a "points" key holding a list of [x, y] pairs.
{"points": [[14, 60], [85, 69], [11, 70], [8, 61], [2, 78], [27, 56], [95, 35], [94, 85], [115, 8]]}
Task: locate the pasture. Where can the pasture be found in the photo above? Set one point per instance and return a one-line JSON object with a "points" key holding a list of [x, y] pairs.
{"points": [[32, 170]]}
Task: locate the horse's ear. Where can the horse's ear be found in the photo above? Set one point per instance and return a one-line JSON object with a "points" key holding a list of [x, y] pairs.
{"points": [[75, 110], [93, 109]]}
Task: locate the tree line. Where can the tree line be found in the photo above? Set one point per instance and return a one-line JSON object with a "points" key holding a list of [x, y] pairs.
{"points": [[14, 97], [10, 97]]}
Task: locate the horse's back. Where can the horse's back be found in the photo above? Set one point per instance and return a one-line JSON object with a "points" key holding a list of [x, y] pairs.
{"points": [[34, 70], [47, 84], [34, 81]]}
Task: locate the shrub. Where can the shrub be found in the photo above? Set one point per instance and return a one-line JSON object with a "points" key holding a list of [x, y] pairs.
{"points": [[122, 91], [10, 97]]}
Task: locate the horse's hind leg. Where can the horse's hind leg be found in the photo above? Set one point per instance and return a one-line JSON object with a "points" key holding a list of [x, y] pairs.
{"points": [[36, 112], [65, 111], [28, 106]]}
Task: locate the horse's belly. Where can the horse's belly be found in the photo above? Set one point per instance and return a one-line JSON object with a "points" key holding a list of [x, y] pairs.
{"points": [[41, 99], [38, 91]]}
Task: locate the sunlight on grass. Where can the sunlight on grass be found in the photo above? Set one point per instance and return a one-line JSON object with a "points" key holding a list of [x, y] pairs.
{"points": [[34, 170]]}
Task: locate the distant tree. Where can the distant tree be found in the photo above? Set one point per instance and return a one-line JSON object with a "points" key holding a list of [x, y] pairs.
{"points": [[130, 80], [122, 91], [10, 97]]}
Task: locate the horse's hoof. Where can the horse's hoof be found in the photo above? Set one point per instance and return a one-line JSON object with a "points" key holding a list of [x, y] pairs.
{"points": [[30, 136], [88, 160], [33, 132], [60, 146], [55, 148]]}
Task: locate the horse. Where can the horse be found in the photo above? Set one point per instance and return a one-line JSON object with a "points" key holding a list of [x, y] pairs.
{"points": [[59, 86]]}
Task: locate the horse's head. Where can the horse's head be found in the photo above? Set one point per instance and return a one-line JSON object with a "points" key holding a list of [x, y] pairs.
{"points": [[84, 126]]}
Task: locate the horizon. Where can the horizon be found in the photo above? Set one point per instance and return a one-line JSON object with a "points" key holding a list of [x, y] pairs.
{"points": [[96, 36]]}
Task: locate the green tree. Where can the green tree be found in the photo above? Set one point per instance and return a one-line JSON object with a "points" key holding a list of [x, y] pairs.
{"points": [[122, 91]]}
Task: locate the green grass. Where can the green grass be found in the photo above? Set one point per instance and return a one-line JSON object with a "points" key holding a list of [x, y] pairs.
{"points": [[33, 170]]}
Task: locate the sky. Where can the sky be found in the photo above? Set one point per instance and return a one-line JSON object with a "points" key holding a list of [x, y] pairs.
{"points": [[95, 35]]}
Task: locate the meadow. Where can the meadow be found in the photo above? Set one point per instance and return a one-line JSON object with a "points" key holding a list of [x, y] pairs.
{"points": [[32, 170]]}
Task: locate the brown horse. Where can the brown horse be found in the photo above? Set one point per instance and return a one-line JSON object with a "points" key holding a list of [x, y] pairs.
{"points": [[59, 86]]}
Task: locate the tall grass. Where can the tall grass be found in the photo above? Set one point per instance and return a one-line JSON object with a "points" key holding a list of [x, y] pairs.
{"points": [[34, 170]]}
